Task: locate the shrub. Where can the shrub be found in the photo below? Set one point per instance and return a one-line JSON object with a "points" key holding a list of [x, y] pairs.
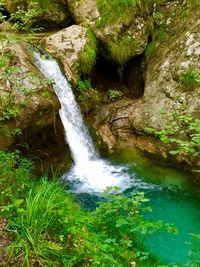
{"points": [[190, 79], [114, 94], [83, 85], [36, 221], [50, 229], [194, 253], [183, 134]]}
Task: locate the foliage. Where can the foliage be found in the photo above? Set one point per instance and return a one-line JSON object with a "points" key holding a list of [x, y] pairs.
{"points": [[50, 229], [15, 171], [87, 57], [194, 253], [190, 79], [25, 19], [87, 96], [83, 85], [36, 219], [114, 94], [2, 17], [183, 134]]}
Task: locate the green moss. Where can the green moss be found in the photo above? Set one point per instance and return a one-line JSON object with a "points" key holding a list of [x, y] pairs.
{"points": [[122, 49], [87, 57], [115, 10]]}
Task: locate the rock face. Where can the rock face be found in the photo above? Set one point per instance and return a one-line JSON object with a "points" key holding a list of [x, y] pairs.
{"points": [[165, 89], [66, 45], [125, 37], [28, 102]]}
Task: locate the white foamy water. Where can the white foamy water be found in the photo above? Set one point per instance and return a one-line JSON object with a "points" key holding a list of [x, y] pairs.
{"points": [[89, 173]]}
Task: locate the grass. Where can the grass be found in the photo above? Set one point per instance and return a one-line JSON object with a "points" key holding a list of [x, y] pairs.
{"points": [[50, 229], [115, 10], [39, 217]]}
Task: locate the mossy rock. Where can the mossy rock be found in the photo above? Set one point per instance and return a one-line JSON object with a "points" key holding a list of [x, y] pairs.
{"points": [[75, 47], [123, 31]]}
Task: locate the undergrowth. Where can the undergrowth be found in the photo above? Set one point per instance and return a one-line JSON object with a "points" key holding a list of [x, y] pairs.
{"points": [[182, 134], [50, 229]]}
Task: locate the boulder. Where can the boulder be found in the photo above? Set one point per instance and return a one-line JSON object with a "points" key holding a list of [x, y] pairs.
{"points": [[125, 36], [74, 48]]}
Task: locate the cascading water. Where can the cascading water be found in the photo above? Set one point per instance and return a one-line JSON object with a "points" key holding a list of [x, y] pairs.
{"points": [[89, 173]]}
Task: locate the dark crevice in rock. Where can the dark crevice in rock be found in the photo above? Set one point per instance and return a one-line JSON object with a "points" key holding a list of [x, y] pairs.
{"points": [[51, 25], [6, 14], [105, 75], [133, 77], [127, 78]]}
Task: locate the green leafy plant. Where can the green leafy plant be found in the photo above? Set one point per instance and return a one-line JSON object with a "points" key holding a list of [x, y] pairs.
{"points": [[37, 217], [84, 85], [44, 211], [114, 94], [190, 79], [25, 18], [194, 253], [182, 134]]}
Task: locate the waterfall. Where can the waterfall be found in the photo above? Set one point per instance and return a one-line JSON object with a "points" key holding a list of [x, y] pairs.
{"points": [[89, 173]]}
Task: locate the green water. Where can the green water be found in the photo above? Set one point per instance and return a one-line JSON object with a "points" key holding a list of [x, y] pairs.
{"points": [[174, 198]]}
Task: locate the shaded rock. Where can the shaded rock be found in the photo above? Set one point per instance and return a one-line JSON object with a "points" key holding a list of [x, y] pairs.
{"points": [[52, 15]]}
